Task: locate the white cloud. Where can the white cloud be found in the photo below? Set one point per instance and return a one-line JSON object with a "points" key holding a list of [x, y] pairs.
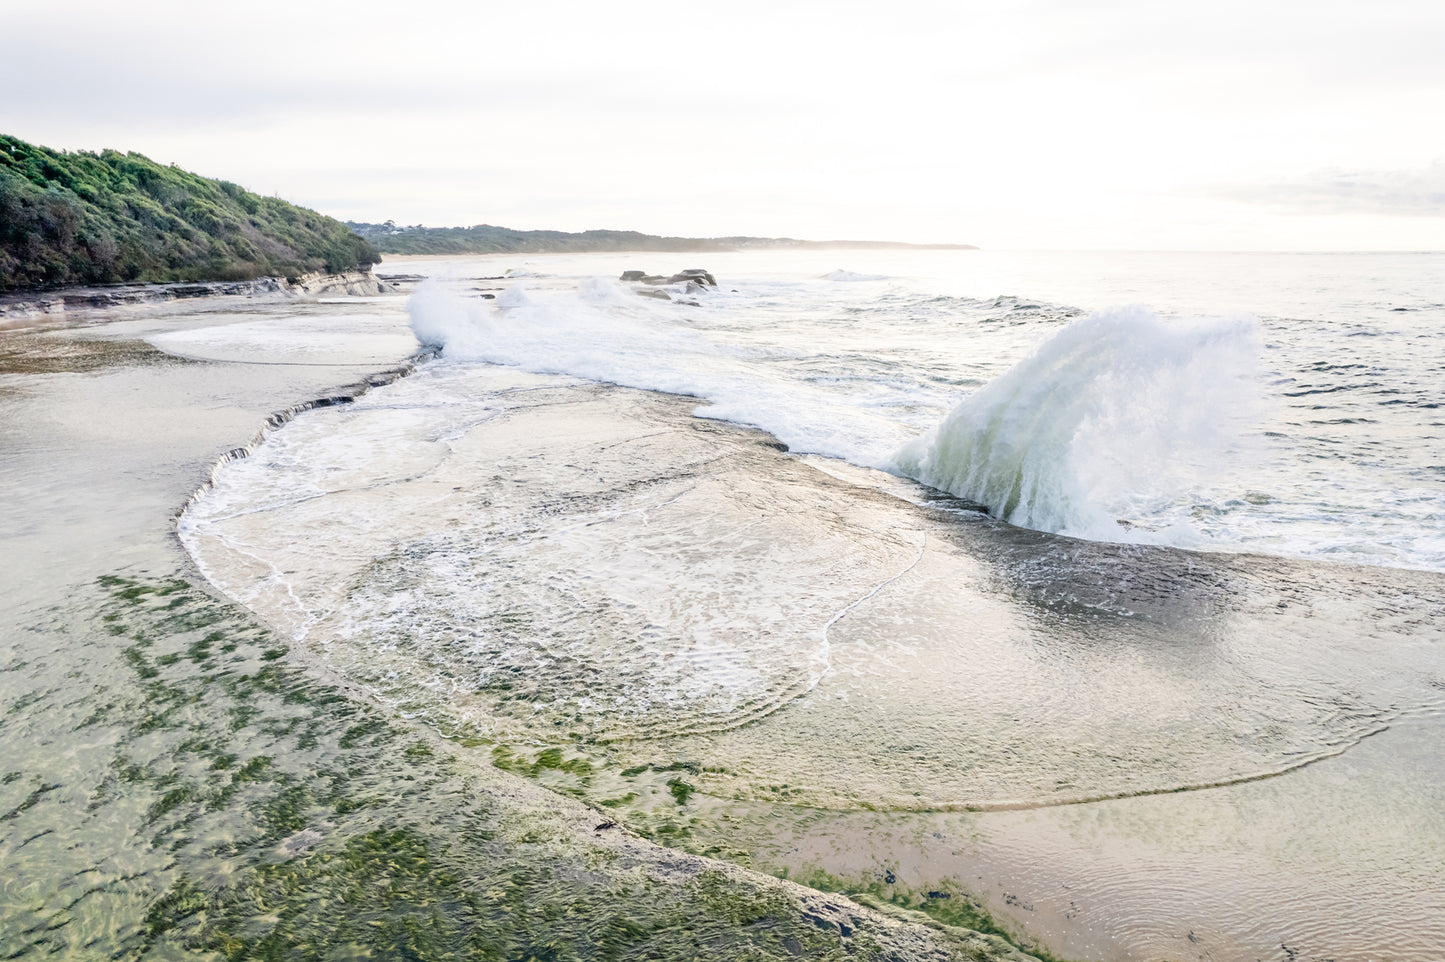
{"points": [[1011, 122]]}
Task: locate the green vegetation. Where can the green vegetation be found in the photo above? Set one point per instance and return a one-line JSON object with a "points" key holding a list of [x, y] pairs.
{"points": [[948, 906], [486, 239], [85, 218], [319, 829]]}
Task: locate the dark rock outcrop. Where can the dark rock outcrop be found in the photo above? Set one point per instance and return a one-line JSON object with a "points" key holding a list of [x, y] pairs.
{"points": [[695, 274], [694, 280]]}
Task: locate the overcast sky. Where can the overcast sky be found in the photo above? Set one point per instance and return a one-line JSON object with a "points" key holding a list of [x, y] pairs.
{"points": [[1233, 124]]}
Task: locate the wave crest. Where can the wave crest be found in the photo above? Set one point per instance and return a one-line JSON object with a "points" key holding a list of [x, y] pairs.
{"points": [[1119, 417]]}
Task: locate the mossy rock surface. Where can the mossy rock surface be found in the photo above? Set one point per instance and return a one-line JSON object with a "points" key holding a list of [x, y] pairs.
{"points": [[249, 811]]}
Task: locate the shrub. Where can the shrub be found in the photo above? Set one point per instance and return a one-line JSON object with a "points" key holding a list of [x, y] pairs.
{"points": [[86, 218]]}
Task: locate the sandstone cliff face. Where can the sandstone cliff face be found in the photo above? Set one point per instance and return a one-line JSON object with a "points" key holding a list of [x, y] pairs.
{"points": [[353, 283]]}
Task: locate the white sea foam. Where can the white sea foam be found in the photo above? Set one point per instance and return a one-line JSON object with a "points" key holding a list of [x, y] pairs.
{"points": [[329, 339], [842, 275], [440, 319], [601, 330], [1119, 416]]}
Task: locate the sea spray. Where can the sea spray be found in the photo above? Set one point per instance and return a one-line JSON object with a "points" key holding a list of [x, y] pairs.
{"points": [[602, 331], [1120, 417], [594, 331], [440, 319]]}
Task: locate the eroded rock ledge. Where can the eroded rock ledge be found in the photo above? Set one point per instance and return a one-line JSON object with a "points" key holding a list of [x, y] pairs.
{"points": [[33, 303]]}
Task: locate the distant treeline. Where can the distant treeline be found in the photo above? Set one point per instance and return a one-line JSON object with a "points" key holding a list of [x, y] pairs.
{"points": [[85, 218], [486, 239]]}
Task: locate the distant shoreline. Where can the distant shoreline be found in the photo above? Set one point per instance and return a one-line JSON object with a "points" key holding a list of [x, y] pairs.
{"points": [[389, 238]]}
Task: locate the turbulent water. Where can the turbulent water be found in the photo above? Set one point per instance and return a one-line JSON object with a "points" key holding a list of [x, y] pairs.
{"points": [[1286, 404], [1053, 533]]}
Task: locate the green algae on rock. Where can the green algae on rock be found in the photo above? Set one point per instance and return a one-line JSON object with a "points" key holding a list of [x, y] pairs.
{"points": [[272, 816]]}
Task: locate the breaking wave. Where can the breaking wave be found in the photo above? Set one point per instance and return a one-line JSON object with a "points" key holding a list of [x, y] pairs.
{"points": [[602, 331], [1106, 431]]}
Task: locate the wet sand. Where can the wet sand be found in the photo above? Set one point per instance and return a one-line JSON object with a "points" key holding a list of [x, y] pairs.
{"points": [[176, 780]]}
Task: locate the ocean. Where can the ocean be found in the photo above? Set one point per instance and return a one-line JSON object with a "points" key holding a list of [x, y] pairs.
{"points": [[1098, 592]]}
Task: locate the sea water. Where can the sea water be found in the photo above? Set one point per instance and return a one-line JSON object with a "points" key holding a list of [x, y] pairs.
{"points": [[1284, 403], [1128, 535]]}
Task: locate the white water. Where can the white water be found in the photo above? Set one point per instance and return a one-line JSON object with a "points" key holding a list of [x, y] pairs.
{"points": [[1202, 421], [1119, 417]]}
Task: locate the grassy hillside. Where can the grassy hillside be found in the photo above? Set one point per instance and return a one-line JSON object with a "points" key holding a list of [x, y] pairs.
{"points": [[85, 218], [486, 239]]}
